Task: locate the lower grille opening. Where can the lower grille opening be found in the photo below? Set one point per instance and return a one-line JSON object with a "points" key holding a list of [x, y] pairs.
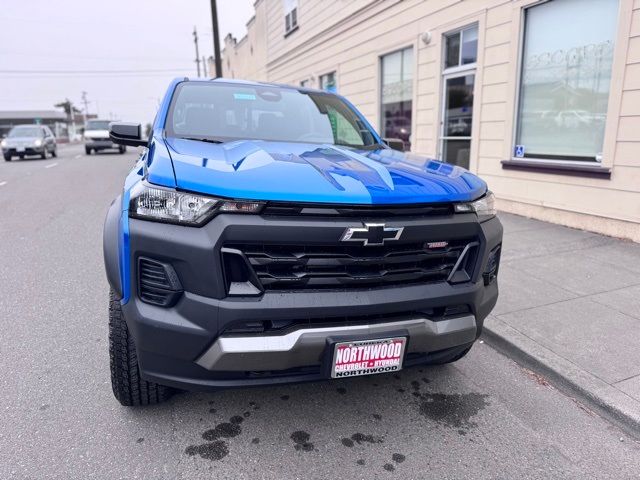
{"points": [[280, 326], [158, 283]]}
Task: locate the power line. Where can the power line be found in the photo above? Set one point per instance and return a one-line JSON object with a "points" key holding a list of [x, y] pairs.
{"points": [[48, 72]]}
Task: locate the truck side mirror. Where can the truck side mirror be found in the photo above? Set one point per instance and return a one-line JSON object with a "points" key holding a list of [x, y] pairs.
{"points": [[125, 133], [395, 143]]}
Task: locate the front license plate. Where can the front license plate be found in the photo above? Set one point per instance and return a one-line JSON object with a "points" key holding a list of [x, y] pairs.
{"points": [[366, 357], [20, 149]]}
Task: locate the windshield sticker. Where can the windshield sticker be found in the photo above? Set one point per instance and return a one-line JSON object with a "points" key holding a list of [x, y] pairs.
{"points": [[244, 96]]}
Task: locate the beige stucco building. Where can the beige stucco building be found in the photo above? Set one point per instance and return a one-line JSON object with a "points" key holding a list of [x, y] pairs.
{"points": [[540, 98]]}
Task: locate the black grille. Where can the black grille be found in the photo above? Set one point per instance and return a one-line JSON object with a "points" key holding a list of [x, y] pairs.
{"points": [[292, 267], [361, 211], [158, 283]]}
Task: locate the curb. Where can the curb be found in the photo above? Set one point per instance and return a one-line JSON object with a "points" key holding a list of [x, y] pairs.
{"points": [[602, 398]]}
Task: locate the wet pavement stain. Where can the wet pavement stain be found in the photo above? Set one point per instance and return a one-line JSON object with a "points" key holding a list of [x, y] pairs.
{"points": [[212, 410], [453, 410], [301, 441], [284, 397], [377, 416], [360, 462], [415, 385], [341, 390], [140, 440], [361, 438], [255, 441], [388, 467], [45, 406], [217, 449], [401, 390], [209, 451], [398, 457], [222, 430], [347, 442]]}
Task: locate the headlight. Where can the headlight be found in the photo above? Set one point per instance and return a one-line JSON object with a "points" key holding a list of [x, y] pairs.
{"points": [[37, 143], [160, 204], [3, 143], [484, 207]]}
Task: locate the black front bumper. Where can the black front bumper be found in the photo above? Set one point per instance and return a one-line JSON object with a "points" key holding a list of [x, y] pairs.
{"points": [[175, 344]]}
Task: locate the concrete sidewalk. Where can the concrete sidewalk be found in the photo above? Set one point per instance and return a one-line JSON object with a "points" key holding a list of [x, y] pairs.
{"points": [[570, 306]]}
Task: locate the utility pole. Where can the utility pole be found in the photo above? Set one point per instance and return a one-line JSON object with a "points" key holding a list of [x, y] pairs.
{"points": [[216, 39], [205, 69], [86, 106], [195, 40]]}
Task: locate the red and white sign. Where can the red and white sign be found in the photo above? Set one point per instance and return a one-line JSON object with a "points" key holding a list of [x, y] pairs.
{"points": [[367, 357]]}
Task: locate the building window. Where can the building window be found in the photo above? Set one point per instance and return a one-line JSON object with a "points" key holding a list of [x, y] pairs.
{"points": [[397, 95], [459, 75], [290, 15], [565, 79], [328, 82], [461, 47]]}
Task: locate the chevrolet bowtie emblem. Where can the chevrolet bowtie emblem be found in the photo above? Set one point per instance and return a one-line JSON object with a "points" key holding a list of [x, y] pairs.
{"points": [[372, 234]]}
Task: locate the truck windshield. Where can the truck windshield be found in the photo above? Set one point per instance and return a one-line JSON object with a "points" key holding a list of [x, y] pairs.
{"points": [[226, 112], [25, 132], [98, 125]]}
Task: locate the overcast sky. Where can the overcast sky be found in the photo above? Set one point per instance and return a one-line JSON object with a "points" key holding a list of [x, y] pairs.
{"points": [[129, 36]]}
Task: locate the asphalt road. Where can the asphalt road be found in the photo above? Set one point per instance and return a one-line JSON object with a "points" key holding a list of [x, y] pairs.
{"points": [[484, 417]]}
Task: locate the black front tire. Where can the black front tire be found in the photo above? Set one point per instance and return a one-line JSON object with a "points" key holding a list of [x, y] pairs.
{"points": [[43, 155], [122, 149], [87, 150], [54, 152], [7, 157], [128, 387]]}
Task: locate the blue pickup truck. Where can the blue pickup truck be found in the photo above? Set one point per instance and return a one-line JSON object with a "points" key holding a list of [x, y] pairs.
{"points": [[268, 234]]}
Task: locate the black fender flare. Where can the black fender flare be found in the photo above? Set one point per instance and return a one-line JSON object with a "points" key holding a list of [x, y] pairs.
{"points": [[110, 245]]}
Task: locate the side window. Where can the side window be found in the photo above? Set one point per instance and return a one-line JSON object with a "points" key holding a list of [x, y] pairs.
{"points": [[343, 129]]}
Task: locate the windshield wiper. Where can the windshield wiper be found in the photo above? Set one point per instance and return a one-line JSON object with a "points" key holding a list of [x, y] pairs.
{"points": [[208, 140]]}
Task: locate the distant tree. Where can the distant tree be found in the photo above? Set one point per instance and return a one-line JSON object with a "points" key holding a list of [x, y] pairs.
{"points": [[68, 107]]}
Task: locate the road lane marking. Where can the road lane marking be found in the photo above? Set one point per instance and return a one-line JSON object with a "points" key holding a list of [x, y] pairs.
{"points": [[77, 156], [2, 183], [51, 165]]}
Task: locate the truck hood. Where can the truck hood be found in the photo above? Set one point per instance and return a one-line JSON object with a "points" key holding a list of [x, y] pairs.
{"points": [[318, 173]]}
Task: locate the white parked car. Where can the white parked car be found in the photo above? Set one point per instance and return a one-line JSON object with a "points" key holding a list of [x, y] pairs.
{"points": [[96, 137]]}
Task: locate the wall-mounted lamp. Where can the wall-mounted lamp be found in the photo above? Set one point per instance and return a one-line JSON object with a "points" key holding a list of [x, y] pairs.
{"points": [[426, 38]]}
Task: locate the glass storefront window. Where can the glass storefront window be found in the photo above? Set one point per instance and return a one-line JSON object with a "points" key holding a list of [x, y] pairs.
{"points": [[397, 95], [565, 79]]}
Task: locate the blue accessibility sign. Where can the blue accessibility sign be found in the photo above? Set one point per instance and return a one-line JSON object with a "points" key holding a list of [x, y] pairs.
{"points": [[519, 151]]}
